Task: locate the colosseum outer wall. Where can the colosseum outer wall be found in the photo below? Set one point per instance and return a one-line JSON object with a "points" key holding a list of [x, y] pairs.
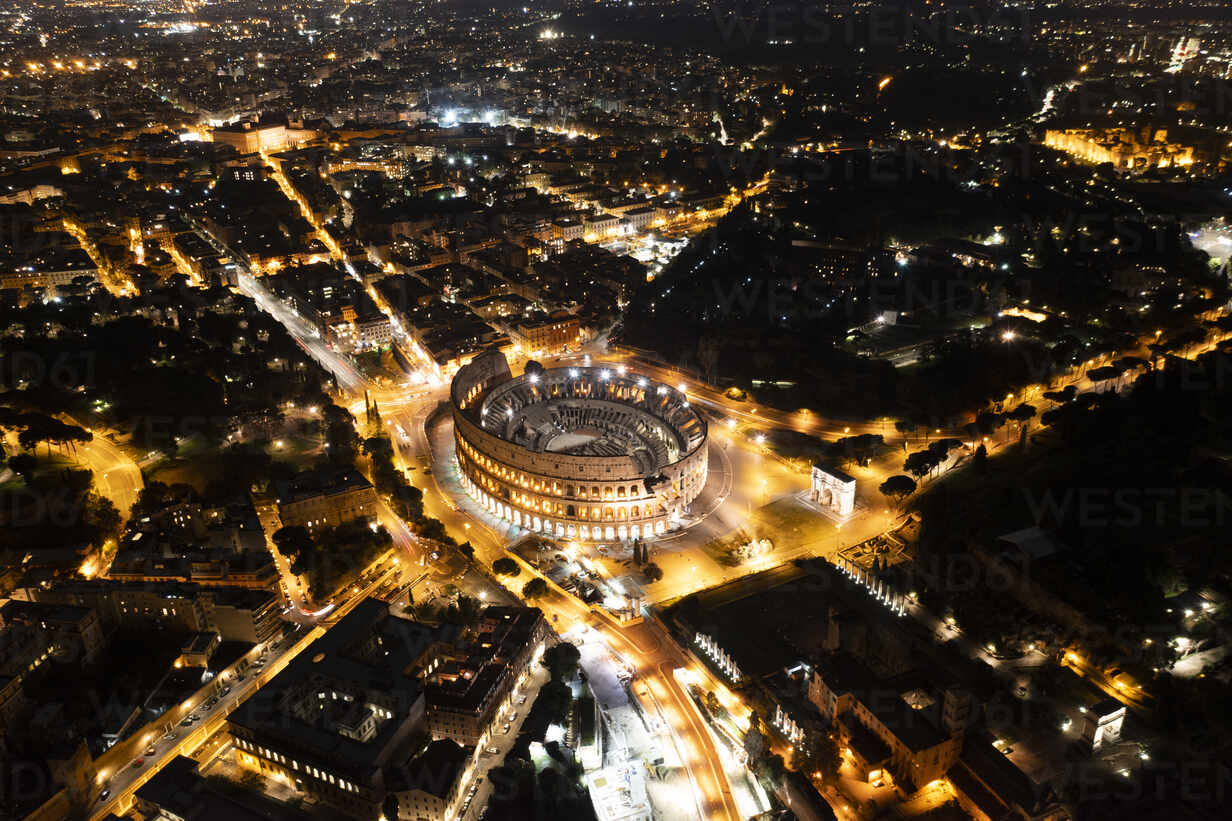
{"points": [[582, 497]]}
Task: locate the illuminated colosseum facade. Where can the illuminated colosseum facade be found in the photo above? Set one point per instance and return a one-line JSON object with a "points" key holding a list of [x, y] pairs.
{"points": [[590, 454]]}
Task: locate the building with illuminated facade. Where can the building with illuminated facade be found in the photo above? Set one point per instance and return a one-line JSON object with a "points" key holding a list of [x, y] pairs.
{"points": [[342, 722], [898, 726], [338, 715], [234, 613], [468, 689], [551, 334], [324, 499], [1127, 149], [593, 454]]}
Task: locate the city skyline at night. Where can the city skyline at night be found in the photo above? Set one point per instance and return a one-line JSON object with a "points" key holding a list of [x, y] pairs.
{"points": [[615, 410]]}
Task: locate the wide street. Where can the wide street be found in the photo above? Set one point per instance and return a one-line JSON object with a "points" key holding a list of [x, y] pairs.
{"points": [[118, 769], [115, 475]]}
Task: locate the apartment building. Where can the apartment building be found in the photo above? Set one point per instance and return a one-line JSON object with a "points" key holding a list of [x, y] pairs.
{"points": [[326, 499], [548, 334], [465, 691], [235, 613], [888, 726]]}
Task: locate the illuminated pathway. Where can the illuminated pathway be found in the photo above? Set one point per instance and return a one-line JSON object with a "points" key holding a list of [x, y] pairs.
{"points": [[294, 196], [115, 475], [349, 378], [106, 276]]}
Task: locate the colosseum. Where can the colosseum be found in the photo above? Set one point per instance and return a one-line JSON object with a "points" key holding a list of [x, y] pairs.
{"points": [[592, 454]]}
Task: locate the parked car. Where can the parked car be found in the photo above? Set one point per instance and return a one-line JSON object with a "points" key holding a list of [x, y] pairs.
{"points": [[104, 795], [492, 751], [149, 750]]}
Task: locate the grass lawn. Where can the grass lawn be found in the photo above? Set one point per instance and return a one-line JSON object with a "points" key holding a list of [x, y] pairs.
{"points": [[197, 464], [798, 447], [46, 467], [197, 472], [302, 451]]}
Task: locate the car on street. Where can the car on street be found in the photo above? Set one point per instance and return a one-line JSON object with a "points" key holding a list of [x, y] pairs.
{"points": [[492, 751], [137, 764], [506, 729], [149, 750], [104, 795]]}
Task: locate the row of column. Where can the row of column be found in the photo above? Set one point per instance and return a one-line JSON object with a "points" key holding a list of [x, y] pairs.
{"points": [[718, 655], [561, 530], [880, 589]]}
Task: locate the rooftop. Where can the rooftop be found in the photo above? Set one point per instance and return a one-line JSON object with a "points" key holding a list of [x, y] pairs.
{"points": [[180, 790], [311, 483], [464, 685], [367, 656], [434, 771]]}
